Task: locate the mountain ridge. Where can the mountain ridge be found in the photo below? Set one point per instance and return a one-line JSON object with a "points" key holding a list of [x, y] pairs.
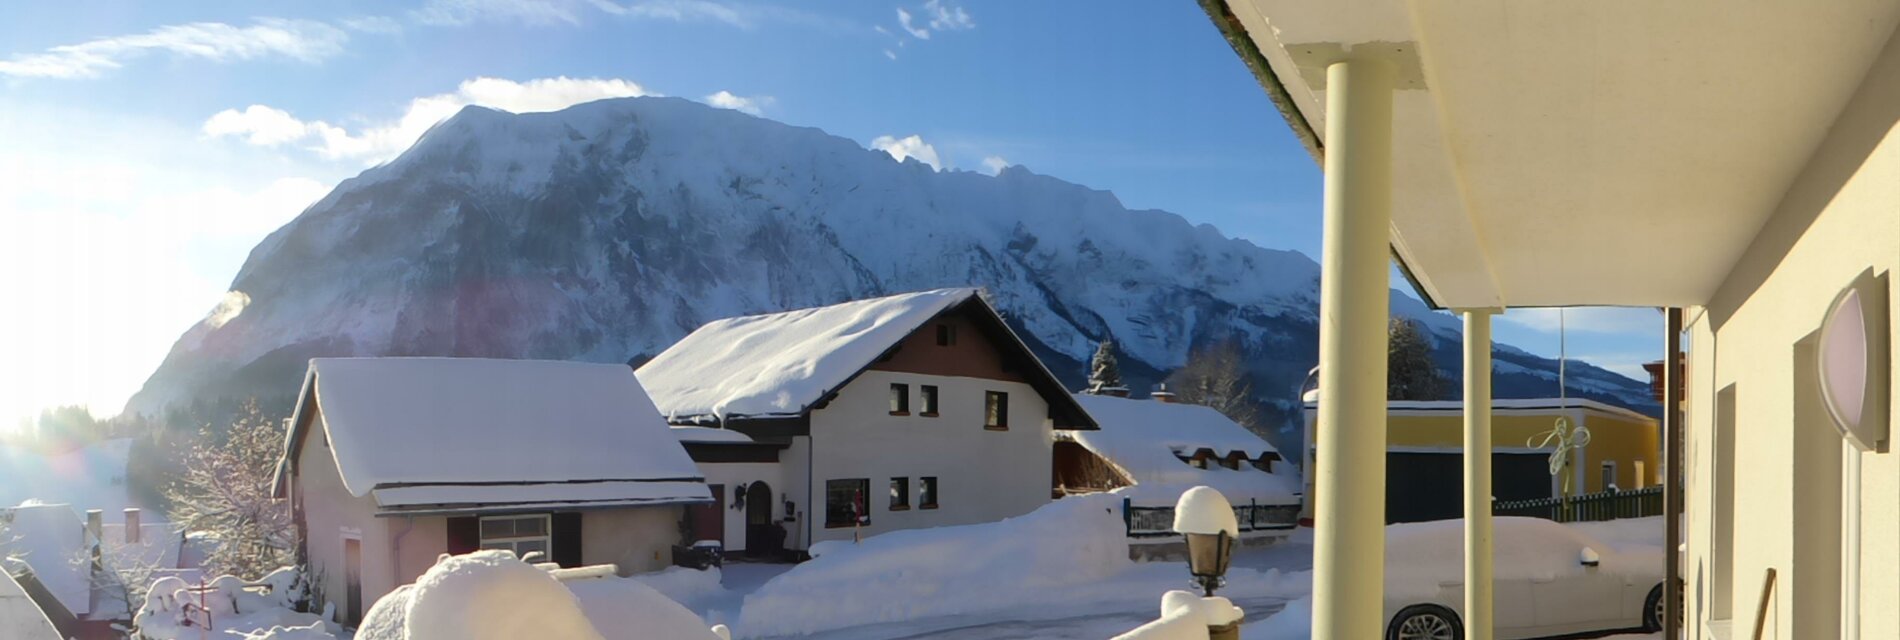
{"points": [[607, 230]]}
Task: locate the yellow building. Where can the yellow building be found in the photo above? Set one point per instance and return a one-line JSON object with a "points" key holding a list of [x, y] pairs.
{"points": [[1425, 452]]}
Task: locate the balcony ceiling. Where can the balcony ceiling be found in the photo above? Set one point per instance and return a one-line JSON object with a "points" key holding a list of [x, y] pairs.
{"points": [[1583, 152]]}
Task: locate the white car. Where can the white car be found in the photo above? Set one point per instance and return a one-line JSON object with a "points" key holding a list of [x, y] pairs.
{"points": [[1549, 579]]}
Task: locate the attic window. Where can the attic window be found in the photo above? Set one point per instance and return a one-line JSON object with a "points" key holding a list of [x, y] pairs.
{"points": [[946, 335]]}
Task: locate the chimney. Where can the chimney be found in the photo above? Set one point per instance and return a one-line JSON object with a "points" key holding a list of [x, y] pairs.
{"points": [[95, 522], [1162, 394], [131, 525]]}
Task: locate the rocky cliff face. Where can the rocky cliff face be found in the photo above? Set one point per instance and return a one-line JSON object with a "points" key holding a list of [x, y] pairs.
{"points": [[607, 231]]}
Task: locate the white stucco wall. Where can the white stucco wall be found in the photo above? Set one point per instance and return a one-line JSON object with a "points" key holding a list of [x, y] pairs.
{"points": [[982, 475], [733, 474], [1840, 216]]}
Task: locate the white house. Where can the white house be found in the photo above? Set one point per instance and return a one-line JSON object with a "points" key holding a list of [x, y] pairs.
{"points": [[392, 461], [915, 410], [1152, 451]]}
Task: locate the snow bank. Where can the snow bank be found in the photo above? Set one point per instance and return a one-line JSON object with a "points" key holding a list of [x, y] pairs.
{"points": [[624, 609], [491, 595], [1295, 622], [777, 364], [917, 573], [684, 585], [232, 610]]}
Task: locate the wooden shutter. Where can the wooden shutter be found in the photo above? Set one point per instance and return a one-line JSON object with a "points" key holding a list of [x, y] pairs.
{"points": [[565, 538], [465, 534]]}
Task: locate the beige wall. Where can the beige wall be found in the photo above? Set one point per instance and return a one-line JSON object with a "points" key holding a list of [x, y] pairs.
{"points": [[982, 475], [634, 540], [1840, 216]]}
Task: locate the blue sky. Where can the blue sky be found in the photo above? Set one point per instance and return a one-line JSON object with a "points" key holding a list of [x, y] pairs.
{"points": [[148, 146]]}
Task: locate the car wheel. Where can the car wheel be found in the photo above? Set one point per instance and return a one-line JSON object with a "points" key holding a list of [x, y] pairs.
{"points": [[1653, 610], [1425, 622]]}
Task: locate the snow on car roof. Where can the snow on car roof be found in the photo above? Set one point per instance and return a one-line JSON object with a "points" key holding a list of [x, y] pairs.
{"points": [[469, 420], [780, 363], [1142, 437]]}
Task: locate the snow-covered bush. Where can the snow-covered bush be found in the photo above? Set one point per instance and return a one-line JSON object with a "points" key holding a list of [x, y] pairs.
{"points": [[230, 609]]}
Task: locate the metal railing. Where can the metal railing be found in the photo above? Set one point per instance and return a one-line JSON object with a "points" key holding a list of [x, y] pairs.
{"points": [[1158, 522], [1589, 507]]}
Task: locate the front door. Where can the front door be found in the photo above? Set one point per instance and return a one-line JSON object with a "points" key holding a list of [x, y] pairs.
{"points": [[353, 580], [762, 536], [708, 521]]}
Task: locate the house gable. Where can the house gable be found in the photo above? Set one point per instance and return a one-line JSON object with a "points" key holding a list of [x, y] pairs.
{"points": [[971, 352]]}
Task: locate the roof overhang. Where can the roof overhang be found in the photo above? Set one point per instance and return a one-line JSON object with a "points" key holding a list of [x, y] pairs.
{"points": [[1575, 152]]}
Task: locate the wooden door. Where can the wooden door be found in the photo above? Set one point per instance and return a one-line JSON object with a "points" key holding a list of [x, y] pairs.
{"points": [[708, 521], [353, 581]]}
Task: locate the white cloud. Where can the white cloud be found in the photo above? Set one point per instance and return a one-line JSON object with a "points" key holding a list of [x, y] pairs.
{"points": [[547, 12], [908, 147], [753, 105], [258, 125], [301, 40], [947, 17], [890, 54], [452, 13], [382, 25], [904, 20], [1608, 320], [994, 164], [262, 125]]}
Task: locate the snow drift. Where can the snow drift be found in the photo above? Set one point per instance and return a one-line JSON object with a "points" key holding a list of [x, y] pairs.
{"points": [[905, 575]]}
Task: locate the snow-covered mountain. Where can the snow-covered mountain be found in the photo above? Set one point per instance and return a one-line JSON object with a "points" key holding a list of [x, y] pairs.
{"points": [[606, 231]]}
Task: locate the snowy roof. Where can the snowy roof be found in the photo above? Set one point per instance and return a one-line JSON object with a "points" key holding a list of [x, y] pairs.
{"points": [[779, 364], [700, 435], [1145, 437], [493, 423], [51, 539]]}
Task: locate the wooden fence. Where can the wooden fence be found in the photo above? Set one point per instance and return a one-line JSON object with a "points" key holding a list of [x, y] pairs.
{"points": [[1589, 507], [1156, 522]]}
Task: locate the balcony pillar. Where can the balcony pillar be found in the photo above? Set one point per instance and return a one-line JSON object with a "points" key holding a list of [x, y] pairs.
{"points": [[1349, 540], [1478, 532]]}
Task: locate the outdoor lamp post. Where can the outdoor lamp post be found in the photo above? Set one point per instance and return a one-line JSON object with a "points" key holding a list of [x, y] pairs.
{"points": [[1206, 519]]}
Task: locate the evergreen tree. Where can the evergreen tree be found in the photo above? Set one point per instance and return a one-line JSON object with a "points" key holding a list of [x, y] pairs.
{"points": [[1409, 371], [1104, 372]]}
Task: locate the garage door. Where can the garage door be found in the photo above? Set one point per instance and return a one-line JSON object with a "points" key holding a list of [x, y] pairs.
{"points": [[1431, 486]]}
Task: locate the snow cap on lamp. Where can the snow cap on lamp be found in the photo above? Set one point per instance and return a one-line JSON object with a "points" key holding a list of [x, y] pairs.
{"points": [[1204, 510]]}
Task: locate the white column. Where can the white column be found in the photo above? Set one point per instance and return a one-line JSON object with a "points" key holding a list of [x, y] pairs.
{"points": [[1478, 550], [1349, 541]]}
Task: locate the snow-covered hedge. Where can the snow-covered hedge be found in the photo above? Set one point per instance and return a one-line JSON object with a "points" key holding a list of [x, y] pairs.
{"points": [[904, 575], [491, 595]]}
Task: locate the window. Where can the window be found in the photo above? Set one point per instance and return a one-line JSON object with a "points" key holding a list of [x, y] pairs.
{"points": [[995, 410], [1641, 480], [927, 492], [900, 399], [900, 494], [1608, 481], [930, 400], [946, 335], [520, 534], [845, 502]]}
